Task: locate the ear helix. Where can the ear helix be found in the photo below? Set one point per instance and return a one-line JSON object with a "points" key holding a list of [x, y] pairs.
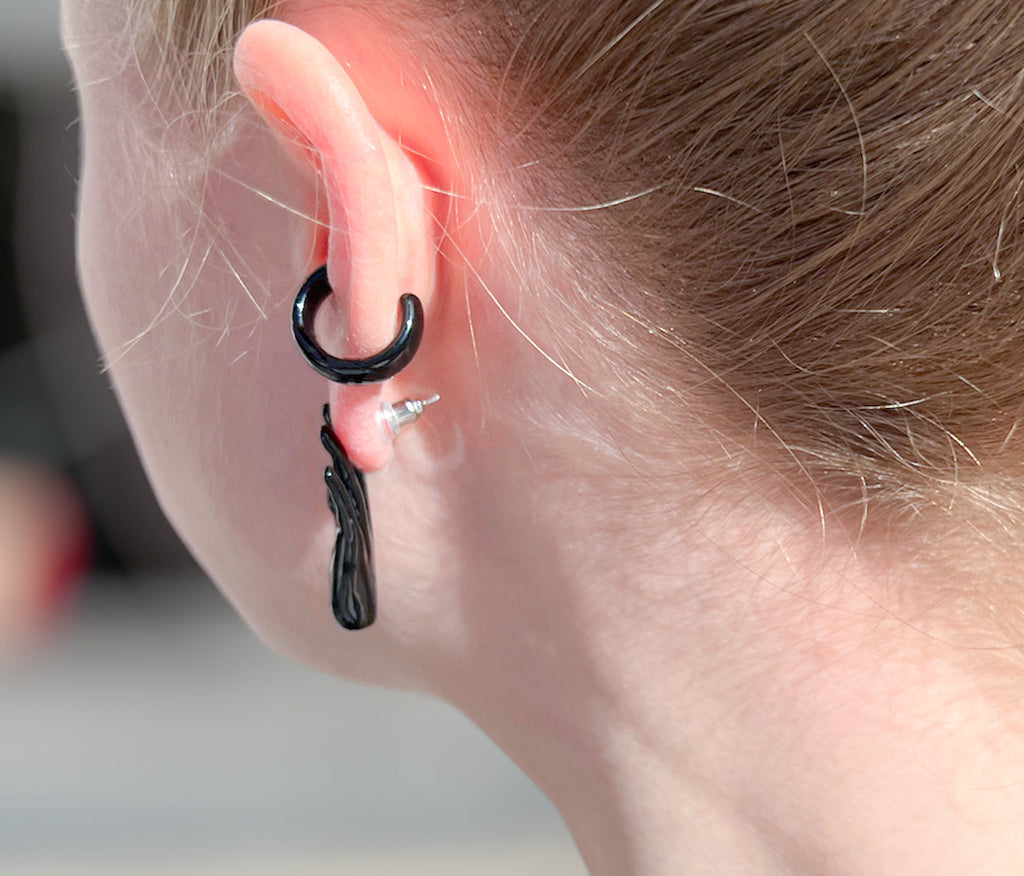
{"points": [[352, 577]]}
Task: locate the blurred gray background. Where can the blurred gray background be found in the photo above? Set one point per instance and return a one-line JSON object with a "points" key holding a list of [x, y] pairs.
{"points": [[152, 733]]}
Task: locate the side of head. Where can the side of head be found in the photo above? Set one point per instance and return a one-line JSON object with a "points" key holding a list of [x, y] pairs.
{"points": [[743, 269]]}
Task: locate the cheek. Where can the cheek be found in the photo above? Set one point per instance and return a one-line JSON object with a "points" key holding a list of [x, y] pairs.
{"points": [[197, 338]]}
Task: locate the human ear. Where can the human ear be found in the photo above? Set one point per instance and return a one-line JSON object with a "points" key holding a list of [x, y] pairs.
{"points": [[378, 235]]}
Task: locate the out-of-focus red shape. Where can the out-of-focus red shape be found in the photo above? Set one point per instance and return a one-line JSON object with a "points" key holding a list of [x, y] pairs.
{"points": [[45, 546]]}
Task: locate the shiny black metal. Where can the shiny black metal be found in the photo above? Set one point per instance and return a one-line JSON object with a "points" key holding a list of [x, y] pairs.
{"points": [[381, 366], [353, 584]]}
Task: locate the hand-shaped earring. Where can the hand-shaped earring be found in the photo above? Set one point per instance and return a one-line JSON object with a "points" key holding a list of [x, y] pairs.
{"points": [[353, 586]]}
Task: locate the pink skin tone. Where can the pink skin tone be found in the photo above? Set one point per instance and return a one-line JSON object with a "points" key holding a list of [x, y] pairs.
{"points": [[246, 509], [698, 691]]}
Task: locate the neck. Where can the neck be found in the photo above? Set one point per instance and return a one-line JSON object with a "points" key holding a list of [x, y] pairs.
{"points": [[712, 707]]}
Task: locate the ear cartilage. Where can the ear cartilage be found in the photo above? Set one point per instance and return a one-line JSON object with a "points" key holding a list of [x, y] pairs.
{"points": [[396, 417]]}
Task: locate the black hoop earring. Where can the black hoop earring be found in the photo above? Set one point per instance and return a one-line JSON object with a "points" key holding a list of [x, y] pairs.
{"points": [[353, 584], [383, 365]]}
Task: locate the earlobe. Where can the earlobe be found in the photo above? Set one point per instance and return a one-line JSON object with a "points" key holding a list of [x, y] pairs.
{"points": [[379, 241]]}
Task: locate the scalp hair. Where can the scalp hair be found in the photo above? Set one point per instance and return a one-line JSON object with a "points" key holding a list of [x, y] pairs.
{"points": [[818, 204]]}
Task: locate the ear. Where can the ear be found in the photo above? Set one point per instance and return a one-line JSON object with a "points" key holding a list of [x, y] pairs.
{"points": [[378, 238]]}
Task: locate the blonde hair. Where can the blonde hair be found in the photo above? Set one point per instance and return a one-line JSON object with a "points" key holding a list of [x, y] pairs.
{"points": [[185, 45], [819, 200]]}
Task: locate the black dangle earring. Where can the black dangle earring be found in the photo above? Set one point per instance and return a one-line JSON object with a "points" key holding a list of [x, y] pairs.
{"points": [[353, 586]]}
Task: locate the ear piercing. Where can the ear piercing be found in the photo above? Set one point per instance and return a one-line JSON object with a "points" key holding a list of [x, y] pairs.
{"points": [[352, 577]]}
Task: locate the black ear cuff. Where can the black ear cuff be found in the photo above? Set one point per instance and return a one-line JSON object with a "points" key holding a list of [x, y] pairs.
{"points": [[387, 363]]}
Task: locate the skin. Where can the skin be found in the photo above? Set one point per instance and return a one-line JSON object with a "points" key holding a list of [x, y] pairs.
{"points": [[700, 680]]}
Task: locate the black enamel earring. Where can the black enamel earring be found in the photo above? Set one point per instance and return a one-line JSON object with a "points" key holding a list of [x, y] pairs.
{"points": [[385, 364], [353, 586]]}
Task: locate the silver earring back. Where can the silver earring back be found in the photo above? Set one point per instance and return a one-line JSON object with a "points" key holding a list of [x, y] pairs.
{"points": [[398, 416]]}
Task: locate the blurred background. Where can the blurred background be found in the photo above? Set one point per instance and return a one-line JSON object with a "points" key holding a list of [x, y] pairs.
{"points": [[142, 728]]}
